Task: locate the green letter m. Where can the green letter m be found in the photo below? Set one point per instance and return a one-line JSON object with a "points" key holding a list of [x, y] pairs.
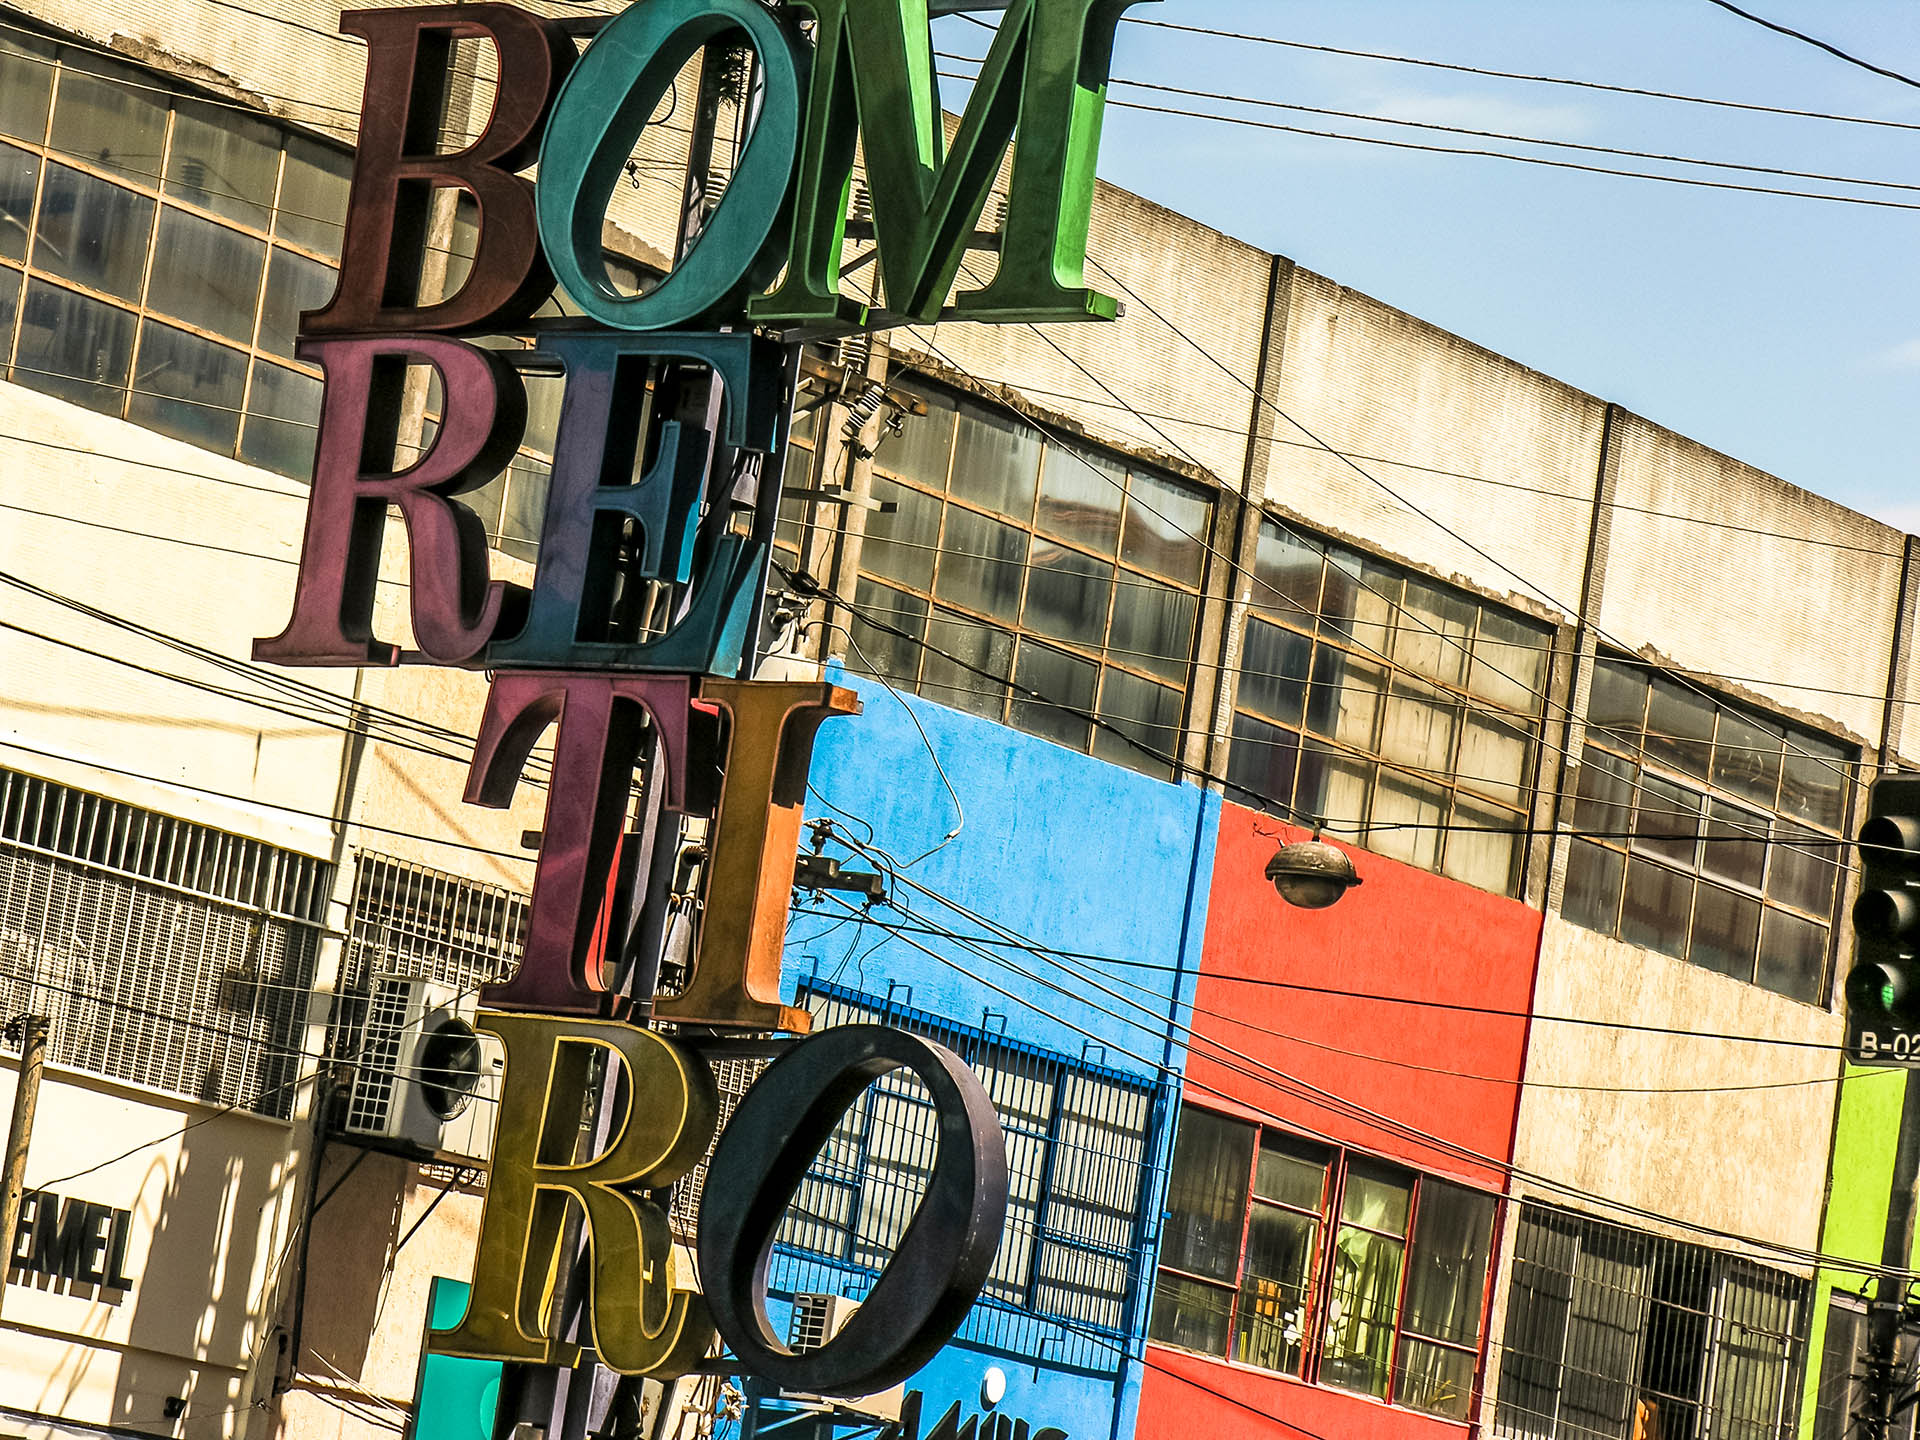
{"points": [[1045, 77]]}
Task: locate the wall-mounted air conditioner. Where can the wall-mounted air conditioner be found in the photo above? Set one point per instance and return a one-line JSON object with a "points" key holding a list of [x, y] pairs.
{"points": [[816, 1320], [426, 1083]]}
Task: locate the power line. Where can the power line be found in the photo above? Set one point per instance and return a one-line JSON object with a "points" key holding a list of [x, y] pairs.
{"points": [[1518, 75], [1817, 44]]}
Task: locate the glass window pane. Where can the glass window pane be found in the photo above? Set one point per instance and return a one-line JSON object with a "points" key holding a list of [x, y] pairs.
{"points": [[525, 509], [223, 162], [1148, 712], [1603, 794], [1068, 594], [1666, 820], [206, 275], [1166, 528], [116, 126], [901, 544], [1432, 634], [1286, 575], [1334, 786], [996, 461], [1282, 1250], [1362, 1300], [925, 443], [1493, 757], [93, 232], [9, 307], [1345, 700], [1408, 814], [1080, 497], [1447, 1270], [1419, 728], [294, 284], [1618, 703], [1360, 600], [1376, 1198], [313, 196], [1481, 846], [1813, 783], [1594, 877], [1510, 662], [1656, 907], [1746, 758], [1679, 727], [282, 420], [982, 563], [1803, 877], [26, 82], [1061, 677], [1726, 928], [1152, 626], [1736, 844], [1191, 1314], [73, 347], [875, 651], [1273, 672], [18, 172], [1793, 957], [961, 685], [1263, 759], [188, 387], [1207, 1194], [1291, 1172], [1434, 1379]]}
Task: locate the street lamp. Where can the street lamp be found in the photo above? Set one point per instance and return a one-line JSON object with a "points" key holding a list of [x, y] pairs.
{"points": [[1311, 874]]}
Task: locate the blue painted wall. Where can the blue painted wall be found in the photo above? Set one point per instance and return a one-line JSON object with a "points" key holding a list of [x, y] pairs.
{"points": [[1065, 851]]}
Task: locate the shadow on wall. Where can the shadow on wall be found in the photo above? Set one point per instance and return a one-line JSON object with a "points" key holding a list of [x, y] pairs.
{"points": [[354, 1233], [193, 1328]]}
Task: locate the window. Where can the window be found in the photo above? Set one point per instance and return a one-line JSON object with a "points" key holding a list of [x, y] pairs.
{"points": [[1307, 1260], [1612, 1332], [1402, 709], [1030, 567], [1842, 1396], [1709, 833], [166, 953], [156, 249], [1078, 1141]]}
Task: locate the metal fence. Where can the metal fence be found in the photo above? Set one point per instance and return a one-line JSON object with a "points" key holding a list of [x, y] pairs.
{"points": [[166, 953], [1616, 1334]]}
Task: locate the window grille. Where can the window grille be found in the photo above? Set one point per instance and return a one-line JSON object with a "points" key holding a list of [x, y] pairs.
{"points": [[1715, 832], [408, 919], [167, 953], [1614, 1333], [1079, 1141]]}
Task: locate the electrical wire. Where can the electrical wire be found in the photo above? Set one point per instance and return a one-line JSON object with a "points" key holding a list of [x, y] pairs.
{"points": [[1801, 36]]}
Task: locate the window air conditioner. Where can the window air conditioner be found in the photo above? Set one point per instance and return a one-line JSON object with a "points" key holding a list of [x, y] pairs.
{"points": [[427, 1084], [816, 1320]]}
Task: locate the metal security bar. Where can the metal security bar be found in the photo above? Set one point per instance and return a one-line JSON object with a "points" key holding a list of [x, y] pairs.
{"points": [[1078, 1135], [408, 919], [167, 953], [1613, 1334]]}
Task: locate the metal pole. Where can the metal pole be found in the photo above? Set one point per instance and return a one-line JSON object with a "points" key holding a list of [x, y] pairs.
{"points": [[26, 1098], [1885, 1315]]}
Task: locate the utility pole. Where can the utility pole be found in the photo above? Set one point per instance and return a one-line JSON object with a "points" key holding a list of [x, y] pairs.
{"points": [[1887, 1313], [32, 1030]]}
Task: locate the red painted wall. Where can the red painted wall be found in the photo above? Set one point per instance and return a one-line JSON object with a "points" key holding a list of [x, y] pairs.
{"points": [[1403, 934], [1296, 1011]]}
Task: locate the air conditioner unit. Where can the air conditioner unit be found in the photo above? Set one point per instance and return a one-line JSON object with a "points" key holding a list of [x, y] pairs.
{"points": [[816, 1320], [427, 1083]]}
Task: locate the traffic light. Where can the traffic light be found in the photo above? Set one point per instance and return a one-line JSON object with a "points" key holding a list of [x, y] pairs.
{"points": [[1883, 988]]}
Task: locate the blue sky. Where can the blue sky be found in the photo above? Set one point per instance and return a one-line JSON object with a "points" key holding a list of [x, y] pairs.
{"points": [[1784, 332]]}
